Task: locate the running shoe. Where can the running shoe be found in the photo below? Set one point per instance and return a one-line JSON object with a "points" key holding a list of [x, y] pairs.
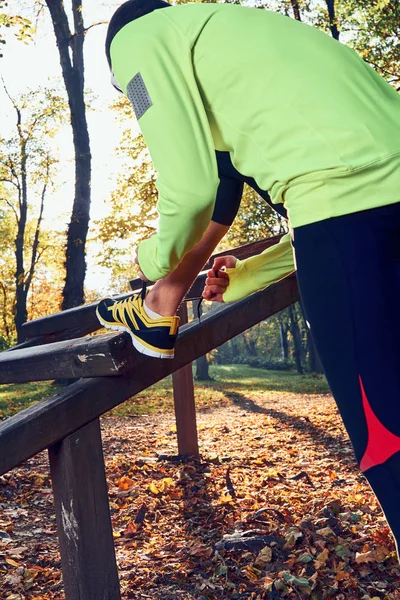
{"points": [[154, 337]]}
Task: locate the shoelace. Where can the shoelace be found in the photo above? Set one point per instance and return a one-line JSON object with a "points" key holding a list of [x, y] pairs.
{"points": [[118, 308], [199, 311], [144, 290]]}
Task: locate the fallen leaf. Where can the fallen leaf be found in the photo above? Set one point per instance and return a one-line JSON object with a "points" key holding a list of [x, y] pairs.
{"points": [[263, 557], [125, 483], [377, 555], [13, 562]]}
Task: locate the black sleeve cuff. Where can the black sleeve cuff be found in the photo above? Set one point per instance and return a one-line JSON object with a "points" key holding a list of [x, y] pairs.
{"points": [[227, 202]]}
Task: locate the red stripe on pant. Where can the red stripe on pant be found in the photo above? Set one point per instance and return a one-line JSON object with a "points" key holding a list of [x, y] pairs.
{"points": [[382, 444]]}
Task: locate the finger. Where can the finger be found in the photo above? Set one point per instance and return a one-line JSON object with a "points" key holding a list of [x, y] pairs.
{"points": [[210, 297], [217, 273], [216, 289], [219, 263], [217, 283], [221, 280]]}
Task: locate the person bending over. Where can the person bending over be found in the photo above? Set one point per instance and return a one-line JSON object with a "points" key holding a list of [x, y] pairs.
{"points": [[312, 123]]}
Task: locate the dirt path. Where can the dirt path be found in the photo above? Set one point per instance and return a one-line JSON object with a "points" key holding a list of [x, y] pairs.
{"points": [[277, 464]]}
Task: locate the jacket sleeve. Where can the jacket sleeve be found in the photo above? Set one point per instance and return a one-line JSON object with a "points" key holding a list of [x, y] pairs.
{"points": [[227, 202], [174, 124], [258, 272]]}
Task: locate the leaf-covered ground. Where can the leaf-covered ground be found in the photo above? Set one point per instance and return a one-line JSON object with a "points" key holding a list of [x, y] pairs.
{"points": [[276, 508]]}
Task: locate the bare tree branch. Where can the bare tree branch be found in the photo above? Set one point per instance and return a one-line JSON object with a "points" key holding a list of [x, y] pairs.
{"points": [[4, 180], [35, 245], [86, 29], [12, 208], [393, 74], [10, 97]]}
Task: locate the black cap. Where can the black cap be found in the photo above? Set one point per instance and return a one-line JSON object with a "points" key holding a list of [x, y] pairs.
{"points": [[127, 12]]}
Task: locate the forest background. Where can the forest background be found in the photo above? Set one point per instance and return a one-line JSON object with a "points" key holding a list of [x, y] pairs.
{"points": [[77, 186]]}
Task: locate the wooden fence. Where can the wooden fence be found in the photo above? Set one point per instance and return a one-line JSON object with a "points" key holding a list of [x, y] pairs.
{"points": [[110, 371]]}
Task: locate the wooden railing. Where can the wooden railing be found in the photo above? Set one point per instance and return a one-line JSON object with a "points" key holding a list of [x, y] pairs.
{"points": [[67, 423]]}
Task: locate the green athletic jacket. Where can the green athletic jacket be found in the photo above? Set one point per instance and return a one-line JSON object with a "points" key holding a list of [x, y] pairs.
{"points": [[299, 112]]}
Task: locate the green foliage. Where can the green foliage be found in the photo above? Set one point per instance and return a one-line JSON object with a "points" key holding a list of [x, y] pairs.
{"points": [[373, 30], [23, 29], [45, 290], [260, 362], [28, 170], [133, 213], [256, 220]]}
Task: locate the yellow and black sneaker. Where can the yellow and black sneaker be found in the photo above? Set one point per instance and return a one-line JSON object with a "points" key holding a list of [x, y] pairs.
{"points": [[154, 337]]}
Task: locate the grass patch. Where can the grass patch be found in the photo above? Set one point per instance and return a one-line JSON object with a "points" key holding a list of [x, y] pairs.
{"points": [[255, 379], [17, 396], [228, 384]]}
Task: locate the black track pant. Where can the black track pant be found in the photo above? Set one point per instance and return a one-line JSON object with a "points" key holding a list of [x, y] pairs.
{"points": [[348, 271]]}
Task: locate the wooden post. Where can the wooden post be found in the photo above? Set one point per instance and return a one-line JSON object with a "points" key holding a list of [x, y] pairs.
{"points": [[184, 403], [83, 516]]}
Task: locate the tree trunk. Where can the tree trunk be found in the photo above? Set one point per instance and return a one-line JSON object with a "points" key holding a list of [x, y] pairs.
{"points": [[73, 74], [234, 348], [250, 342], [297, 345], [4, 312], [296, 9], [21, 312], [332, 19], [284, 339], [313, 359], [202, 373]]}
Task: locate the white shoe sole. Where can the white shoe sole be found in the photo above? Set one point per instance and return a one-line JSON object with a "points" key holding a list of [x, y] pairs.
{"points": [[136, 343]]}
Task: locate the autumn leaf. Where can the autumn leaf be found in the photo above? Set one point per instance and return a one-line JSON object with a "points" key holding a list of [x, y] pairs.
{"points": [[200, 550], [181, 529], [12, 562], [342, 575], [342, 551], [263, 557], [158, 487], [154, 489], [321, 558], [252, 573], [305, 558], [377, 555], [125, 483], [296, 581], [225, 498]]}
